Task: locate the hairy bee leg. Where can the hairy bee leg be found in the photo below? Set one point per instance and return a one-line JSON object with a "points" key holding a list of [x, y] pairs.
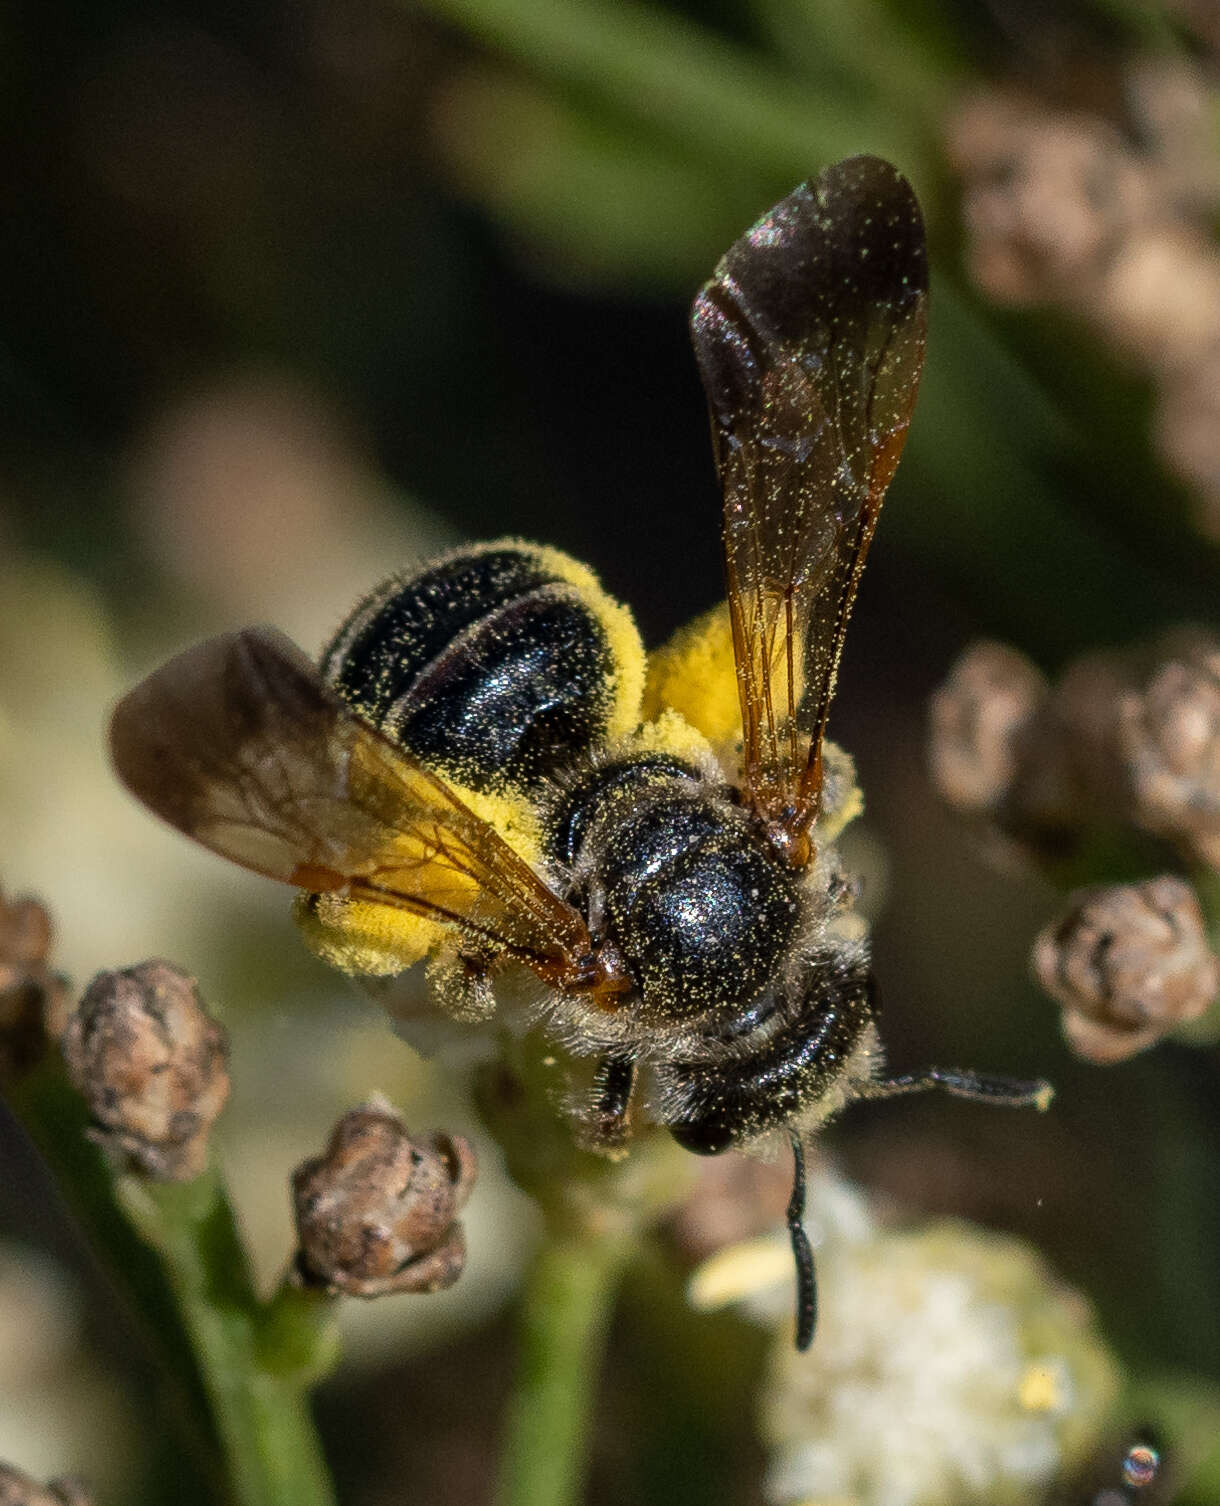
{"points": [[1010, 1091], [613, 1086], [802, 1252], [461, 979]]}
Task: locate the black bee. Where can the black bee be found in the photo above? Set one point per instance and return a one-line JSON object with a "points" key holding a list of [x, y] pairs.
{"points": [[486, 771]]}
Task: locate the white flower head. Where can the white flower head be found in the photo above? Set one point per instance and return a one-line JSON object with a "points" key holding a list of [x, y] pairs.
{"points": [[949, 1367]]}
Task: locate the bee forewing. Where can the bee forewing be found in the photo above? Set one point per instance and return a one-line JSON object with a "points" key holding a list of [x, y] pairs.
{"points": [[810, 342], [240, 744], [232, 743]]}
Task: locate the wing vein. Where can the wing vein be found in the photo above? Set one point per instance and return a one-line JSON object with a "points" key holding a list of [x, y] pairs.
{"points": [[809, 339]]}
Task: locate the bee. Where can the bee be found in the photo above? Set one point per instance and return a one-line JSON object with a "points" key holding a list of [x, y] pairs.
{"points": [[485, 771]]}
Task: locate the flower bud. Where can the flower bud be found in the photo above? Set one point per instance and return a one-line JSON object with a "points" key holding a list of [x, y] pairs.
{"points": [[376, 1213], [980, 722], [1046, 196], [152, 1065], [1128, 962], [1159, 297], [1169, 739], [17, 1489], [33, 999]]}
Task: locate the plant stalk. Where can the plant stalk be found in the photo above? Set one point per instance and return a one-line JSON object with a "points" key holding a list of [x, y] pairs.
{"points": [[261, 1413], [565, 1313], [175, 1253]]}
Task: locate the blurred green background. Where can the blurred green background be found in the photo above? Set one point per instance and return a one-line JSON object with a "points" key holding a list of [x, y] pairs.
{"points": [[295, 294]]}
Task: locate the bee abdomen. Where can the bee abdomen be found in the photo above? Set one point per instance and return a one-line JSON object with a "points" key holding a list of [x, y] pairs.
{"points": [[731, 1099], [497, 665]]}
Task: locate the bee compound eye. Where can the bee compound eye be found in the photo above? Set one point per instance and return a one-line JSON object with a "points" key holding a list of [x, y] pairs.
{"points": [[708, 1136]]}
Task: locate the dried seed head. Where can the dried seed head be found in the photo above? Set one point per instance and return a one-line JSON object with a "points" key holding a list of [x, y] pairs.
{"points": [[152, 1066], [1171, 101], [1159, 297], [376, 1213], [980, 725], [33, 999], [1131, 735], [1112, 220], [1128, 962], [17, 1489], [1169, 739], [1047, 197]]}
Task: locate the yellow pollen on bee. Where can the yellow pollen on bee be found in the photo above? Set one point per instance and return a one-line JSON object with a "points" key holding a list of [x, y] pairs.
{"points": [[695, 675]]}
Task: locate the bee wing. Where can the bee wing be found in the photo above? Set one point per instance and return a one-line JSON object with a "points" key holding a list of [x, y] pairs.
{"points": [[240, 744], [810, 341]]}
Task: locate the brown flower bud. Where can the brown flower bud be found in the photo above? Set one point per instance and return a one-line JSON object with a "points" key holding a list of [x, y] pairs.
{"points": [[980, 723], [1159, 298], [1169, 739], [1046, 199], [1085, 704], [17, 1489], [152, 1065], [1128, 962], [1171, 102], [33, 999], [376, 1213]]}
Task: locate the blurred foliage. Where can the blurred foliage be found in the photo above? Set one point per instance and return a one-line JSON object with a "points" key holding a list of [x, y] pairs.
{"points": [[269, 273]]}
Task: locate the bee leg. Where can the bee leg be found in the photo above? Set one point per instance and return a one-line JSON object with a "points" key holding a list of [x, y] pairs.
{"points": [[802, 1251], [1013, 1092], [613, 1085], [461, 980]]}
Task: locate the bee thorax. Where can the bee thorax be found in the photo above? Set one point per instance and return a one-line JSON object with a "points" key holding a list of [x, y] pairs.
{"points": [[690, 892]]}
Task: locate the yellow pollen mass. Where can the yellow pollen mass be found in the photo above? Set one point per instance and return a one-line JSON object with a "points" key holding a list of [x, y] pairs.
{"points": [[1041, 1389]]}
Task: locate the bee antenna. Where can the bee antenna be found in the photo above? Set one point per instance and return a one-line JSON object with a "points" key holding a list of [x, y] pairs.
{"points": [[802, 1252], [974, 1085]]}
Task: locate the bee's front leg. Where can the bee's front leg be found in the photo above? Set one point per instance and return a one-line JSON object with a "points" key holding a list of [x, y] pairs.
{"points": [[613, 1085]]}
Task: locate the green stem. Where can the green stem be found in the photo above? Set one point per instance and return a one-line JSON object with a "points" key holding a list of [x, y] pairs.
{"points": [[566, 1309], [261, 1413], [175, 1253]]}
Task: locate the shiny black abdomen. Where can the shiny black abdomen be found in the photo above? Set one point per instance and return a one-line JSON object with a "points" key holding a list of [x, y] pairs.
{"points": [[489, 666], [689, 888], [773, 1072]]}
